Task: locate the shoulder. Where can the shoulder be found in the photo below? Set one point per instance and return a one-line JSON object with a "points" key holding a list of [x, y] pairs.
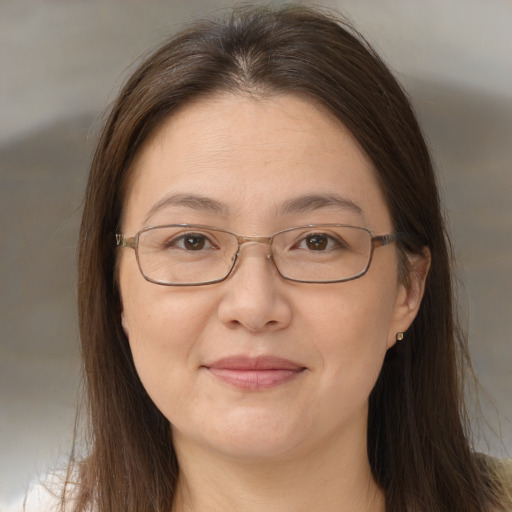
{"points": [[41, 498], [45, 495], [503, 471], [502, 474]]}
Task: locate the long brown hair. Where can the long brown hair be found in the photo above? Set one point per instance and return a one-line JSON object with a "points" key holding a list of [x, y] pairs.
{"points": [[417, 440]]}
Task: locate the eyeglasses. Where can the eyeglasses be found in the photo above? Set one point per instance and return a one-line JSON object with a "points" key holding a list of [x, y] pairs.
{"points": [[192, 255]]}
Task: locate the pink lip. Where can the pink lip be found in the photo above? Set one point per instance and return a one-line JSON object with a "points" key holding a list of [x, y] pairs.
{"points": [[254, 374]]}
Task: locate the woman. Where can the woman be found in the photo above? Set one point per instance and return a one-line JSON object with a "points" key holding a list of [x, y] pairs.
{"points": [[265, 292]]}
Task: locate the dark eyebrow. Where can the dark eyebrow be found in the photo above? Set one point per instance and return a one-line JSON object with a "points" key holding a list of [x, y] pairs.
{"points": [[192, 201], [311, 202]]}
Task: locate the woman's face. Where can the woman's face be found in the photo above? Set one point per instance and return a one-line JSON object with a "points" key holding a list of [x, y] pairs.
{"points": [[256, 365]]}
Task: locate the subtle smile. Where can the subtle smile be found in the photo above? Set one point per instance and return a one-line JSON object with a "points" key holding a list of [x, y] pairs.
{"points": [[254, 374]]}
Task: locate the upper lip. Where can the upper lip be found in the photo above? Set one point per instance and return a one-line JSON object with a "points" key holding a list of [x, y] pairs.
{"points": [[246, 363]]}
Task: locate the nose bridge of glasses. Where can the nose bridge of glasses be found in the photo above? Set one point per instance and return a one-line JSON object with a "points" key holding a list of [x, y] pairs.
{"points": [[264, 240]]}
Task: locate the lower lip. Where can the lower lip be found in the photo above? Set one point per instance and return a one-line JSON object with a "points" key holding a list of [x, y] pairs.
{"points": [[255, 380]]}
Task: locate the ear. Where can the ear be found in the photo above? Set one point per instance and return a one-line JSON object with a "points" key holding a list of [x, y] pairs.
{"points": [[409, 295]]}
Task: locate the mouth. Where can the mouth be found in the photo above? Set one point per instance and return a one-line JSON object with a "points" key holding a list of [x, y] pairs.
{"points": [[254, 374]]}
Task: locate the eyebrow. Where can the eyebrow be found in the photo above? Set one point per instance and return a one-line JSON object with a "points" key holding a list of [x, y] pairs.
{"points": [[301, 204], [192, 201], [312, 202]]}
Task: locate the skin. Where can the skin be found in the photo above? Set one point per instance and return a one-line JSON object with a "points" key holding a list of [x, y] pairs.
{"points": [[300, 445]]}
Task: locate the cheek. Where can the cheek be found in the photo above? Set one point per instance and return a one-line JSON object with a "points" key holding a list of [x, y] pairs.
{"points": [[163, 327], [357, 316], [155, 316], [350, 331]]}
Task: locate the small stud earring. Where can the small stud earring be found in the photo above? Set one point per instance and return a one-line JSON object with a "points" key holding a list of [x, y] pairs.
{"points": [[399, 336]]}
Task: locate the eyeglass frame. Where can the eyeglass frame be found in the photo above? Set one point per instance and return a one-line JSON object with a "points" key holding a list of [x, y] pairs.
{"points": [[375, 242]]}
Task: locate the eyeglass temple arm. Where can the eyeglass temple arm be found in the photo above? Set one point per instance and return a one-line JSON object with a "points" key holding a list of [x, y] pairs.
{"points": [[386, 239], [121, 241]]}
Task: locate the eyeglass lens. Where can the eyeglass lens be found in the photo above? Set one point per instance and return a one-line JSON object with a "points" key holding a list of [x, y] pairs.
{"points": [[183, 255]]}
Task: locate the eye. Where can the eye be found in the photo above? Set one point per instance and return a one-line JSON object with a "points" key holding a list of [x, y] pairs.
{"points": [[319, 242], [191, 242]]}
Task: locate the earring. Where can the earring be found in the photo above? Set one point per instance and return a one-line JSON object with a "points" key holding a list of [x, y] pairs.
{"points": [[399, 336]]}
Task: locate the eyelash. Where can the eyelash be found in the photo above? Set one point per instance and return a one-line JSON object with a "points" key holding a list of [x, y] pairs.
{"points": [[332, 242], [177, 241]]}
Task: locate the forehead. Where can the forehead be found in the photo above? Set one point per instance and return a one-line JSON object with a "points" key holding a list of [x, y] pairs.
{"points": [[251, 156]]}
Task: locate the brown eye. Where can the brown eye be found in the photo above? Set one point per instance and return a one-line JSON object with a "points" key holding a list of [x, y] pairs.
{"points": [[194, 242], [317, 242]]}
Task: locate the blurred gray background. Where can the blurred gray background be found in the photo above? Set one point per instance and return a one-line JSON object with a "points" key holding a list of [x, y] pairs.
{"points": [[61, 62]]}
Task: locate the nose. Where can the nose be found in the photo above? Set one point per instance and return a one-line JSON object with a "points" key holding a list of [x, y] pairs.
{"points": [[254, 296]]}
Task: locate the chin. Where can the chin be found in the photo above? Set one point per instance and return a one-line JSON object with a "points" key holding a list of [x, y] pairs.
{"points": [[257, 448], [249, 434]]}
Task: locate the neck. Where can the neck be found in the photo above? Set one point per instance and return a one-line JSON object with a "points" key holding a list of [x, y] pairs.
{"points": [[332, 479]]}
